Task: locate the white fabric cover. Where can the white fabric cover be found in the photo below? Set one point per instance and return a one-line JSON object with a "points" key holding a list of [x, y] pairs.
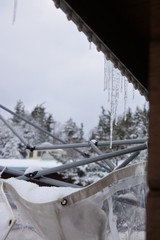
{"points": [[111, 209]]}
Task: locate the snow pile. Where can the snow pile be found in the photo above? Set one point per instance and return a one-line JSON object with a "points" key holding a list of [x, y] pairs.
{"points": [[25, 163], [35, 194]]}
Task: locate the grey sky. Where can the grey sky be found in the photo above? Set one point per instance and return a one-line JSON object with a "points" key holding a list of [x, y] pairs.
{"points": [[43, 58]]}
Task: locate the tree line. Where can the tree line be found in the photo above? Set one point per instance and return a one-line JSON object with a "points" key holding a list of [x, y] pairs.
{"points": [[135, 126]]}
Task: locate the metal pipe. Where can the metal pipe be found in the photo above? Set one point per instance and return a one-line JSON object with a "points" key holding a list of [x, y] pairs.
{"points": [[42, 179], [11, 171], [103, 166], [128, 160], [87, 161], [99, 152], [54, 182], [99, 144]]}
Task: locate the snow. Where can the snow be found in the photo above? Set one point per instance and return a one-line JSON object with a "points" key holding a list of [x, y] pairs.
{"points": [[83, 218], [33, 193], [26, 163], [45, 144], [32, 169]]}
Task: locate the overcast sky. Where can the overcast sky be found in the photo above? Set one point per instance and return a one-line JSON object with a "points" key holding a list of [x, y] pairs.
{"points": [[45, 59]]}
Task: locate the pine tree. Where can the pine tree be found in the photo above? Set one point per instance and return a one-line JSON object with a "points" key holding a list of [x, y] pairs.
{"points": [[141, 122], [72, 134], [49, 123], [8, 143], [39, 117], [102, 131], [125, 128], [19, 109]]}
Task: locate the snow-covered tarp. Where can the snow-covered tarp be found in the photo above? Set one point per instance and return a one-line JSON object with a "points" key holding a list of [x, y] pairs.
{"points": [[113, 208]]}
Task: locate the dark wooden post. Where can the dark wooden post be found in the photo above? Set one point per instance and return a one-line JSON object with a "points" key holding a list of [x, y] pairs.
{"points": [[153, 199]]}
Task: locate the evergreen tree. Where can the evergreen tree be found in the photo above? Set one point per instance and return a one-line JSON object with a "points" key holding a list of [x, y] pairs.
{"points": [[39, 115], [19, 109], [39, 118], [133, 127], [8, 143], [125, 128], [102, 131], [72, 134], [49, 123], [141, 122]]}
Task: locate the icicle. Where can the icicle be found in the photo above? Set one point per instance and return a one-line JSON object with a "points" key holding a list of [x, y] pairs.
{"points": [[133, 92], [105, 73], [113, 94], [122, 83], [90, 45], [110, 76], [111, 83], [117, 93], [107, 76], [111, 131], [115, 82], [14, 11], [125, 96]]}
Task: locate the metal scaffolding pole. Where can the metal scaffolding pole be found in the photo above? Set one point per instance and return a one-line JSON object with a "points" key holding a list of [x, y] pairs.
{"points": [[93, 144], [86, 161], [128, 160], [48, 181], [99, 144], [11, 171], [51, 181]]}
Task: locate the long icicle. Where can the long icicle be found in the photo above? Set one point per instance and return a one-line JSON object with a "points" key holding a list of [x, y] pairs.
{"points": [[125, 96], [14, 11], [105, 73], [117, 72], [112, 105], [110, 66], [115, 83]]}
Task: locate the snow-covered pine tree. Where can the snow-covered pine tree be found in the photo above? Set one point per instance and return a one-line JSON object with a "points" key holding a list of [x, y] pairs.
{"points": [[72, 133], [140, 119], [125, 128], [102, 131], [8, 143], [39, 117], [20, 110]]}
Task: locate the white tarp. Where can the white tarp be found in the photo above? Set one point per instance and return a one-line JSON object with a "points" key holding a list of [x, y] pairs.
{"points": [[113, 208]]}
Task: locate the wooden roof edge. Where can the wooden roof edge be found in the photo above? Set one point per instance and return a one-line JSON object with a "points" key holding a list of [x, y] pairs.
{"points": [[100, 45]]}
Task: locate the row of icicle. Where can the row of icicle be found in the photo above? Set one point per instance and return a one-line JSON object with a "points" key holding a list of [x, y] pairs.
{"points": [[115, 84]]}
